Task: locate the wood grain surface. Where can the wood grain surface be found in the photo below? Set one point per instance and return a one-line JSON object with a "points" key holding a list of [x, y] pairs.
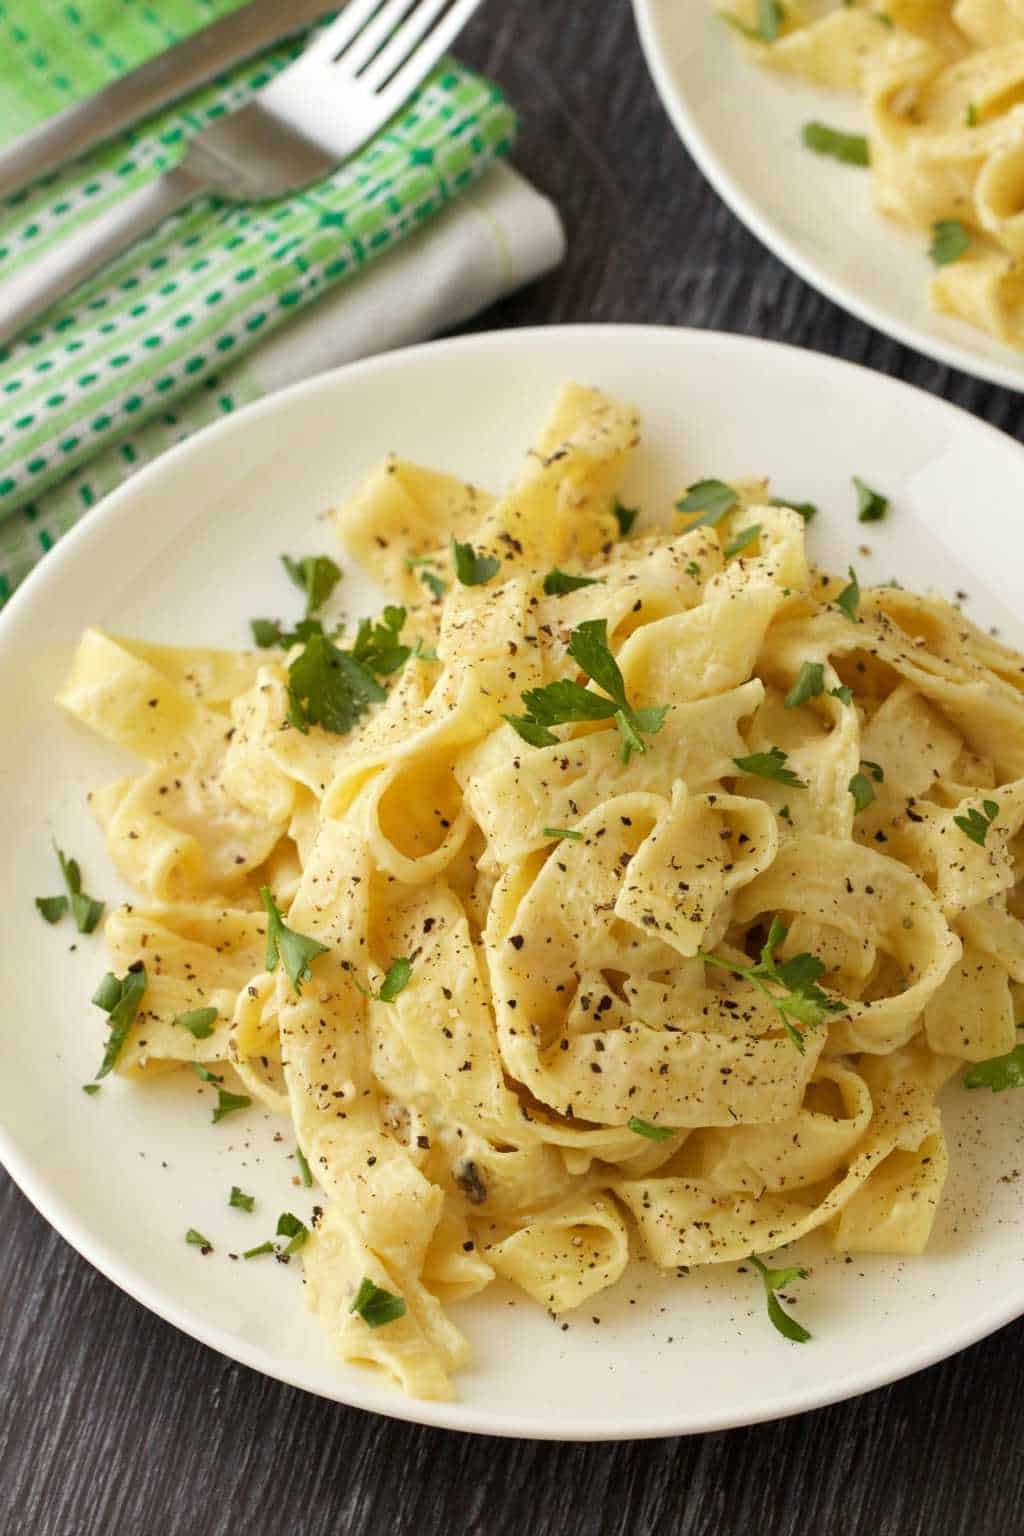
{"points": [[112, 1422]]}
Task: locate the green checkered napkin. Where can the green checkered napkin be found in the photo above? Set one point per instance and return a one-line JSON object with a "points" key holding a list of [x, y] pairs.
{"points": [[139, 358]]}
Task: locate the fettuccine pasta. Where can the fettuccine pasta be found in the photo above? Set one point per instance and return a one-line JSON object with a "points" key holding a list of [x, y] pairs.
{"points": [[942, 82], [625, 890]]}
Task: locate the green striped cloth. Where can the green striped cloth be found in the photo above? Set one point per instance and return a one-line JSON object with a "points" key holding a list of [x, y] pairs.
{"points": [[135, 360]]}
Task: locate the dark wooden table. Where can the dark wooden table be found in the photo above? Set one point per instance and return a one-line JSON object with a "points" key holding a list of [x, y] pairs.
{"points": [[112, 1422]]}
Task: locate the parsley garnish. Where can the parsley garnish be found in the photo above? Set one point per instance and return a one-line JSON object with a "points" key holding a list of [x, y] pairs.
{"points": [[565, 700], [120, 998], [770, 765], [970, 115], [198, 1021], [290, 1226], [743, 538], [871, 505], [473, 570], [377, 646], [806, 509], [295, 949], [693, 569], [375, 1305], [267, 632], [577, 837], [429, 578], [849, 598], [329, 687], [254, 1253], [976, 823], [711, 498], [396, 979], [652, 1132], [90, 1088], [861, 789], [227, 1103], [625, 517], [842, 693], [315, 575], [850, 148], [802, 999], [85, 910], [198, 1240], [1000, 1072], [949, 242], [810, 681], [240, 1200], [770, 17], [557, 583], [305, 1172], [204, 1073], [774, 1280]]}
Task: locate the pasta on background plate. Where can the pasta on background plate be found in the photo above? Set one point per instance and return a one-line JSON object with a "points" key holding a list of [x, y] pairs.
{"points": [[942, 82], [628, 887]]}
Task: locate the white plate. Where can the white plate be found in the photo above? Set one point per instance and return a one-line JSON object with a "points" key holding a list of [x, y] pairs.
{"points": [[742, 125], [188, 552]]}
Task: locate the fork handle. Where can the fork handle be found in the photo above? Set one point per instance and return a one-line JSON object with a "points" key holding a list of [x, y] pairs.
{"points": [[95, 244]]}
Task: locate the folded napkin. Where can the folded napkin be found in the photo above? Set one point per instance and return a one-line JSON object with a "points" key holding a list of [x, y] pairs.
{"points": [[497, 237], [215, 280]]}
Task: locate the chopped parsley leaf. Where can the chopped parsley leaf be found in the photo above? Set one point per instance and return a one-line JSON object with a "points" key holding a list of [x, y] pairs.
{"points": [[329, 687], [576, 837], [85, 909], [970, 115], [473, 570], [557, 583], [770, 765], [197, 1240], [240, 1200], [652, 1132], [254, 1253], [999, 1072], [842, 693], [976, 823], [90, 1088], [375, 1305], [863, 793], [850, 148], [296, 951], [228, 1103], [770, 17], [810, 681], [712, 499], [433, 582], [801, 1001], [120, 998], [305, 1172], [745, 537], [377, 645], [290, 1226], [774, 1280], [205, 1074], [566, 700], [849, 598], [316, 576], [198, 1021], [950, 241], [871, 505]]}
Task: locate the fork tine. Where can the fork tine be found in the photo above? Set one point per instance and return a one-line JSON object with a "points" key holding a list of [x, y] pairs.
{"points": [[419, 65], [374, 35], [398, 47], [335, 38]]}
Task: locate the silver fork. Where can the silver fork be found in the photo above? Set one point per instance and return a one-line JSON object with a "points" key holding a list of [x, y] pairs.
{"points": [[349, 81]]}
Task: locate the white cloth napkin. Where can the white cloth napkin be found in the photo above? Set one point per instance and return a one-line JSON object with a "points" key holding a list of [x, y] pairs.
{"points": [[491, 240]]}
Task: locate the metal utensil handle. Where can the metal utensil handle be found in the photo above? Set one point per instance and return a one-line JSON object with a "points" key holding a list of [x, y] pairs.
{"points": [[179, 69], [60, 270]]}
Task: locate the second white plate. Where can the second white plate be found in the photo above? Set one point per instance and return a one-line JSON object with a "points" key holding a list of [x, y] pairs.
{"points": [[188, 552], [742, 126]]}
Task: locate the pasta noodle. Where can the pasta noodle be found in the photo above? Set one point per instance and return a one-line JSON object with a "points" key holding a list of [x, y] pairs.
{"points": [[681, 968], [942, 82]]}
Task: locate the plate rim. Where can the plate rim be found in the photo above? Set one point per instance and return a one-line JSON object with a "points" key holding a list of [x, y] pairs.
{"points": [[97, 525], [780, 245]]}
